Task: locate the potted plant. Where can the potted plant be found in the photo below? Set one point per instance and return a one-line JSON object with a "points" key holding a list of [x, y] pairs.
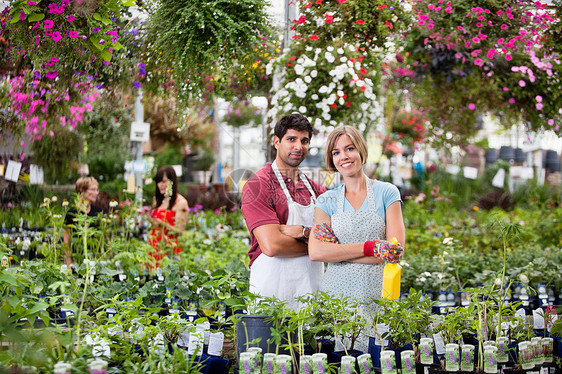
{"points": [[405, 320]]}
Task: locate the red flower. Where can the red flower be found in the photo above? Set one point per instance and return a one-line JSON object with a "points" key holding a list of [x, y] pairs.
{"points": [[360, 22], [313, 37], [318, 1], [329, 18], [308, 5], [389, 24], [292, 58], [341, 1], [363, 71], [334, 105], [382, 6], [296, 36]]}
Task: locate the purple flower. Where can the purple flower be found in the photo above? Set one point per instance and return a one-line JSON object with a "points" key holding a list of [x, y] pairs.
{"points": [[102, 42], [51, 74], [22, 15], [471, 106], [112, 32], [512, 100], [48, 24], [99, 86], [95, 30], [137, 85], [134, 31]]}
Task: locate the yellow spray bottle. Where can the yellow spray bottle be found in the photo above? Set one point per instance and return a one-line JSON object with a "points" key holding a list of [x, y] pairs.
{"points": [[391, 279]]}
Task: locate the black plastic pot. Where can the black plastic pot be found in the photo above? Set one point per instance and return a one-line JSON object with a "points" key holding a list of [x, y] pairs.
{"points": [[251, 327]]}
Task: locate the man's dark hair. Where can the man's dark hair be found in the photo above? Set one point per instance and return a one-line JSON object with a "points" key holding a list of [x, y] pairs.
{"points": [[293, 121]]}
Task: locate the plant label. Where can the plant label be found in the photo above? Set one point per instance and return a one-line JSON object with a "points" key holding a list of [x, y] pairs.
{"points": [[499, 179], [13, 171], [452, 359], [388, 362], [538, 319], [470, 173], [408, 362], [439, 344], [490, 360], [36, 175]]}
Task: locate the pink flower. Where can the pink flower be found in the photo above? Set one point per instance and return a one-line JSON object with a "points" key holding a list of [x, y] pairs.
{"points": [[512, 100], [48, 24], [508, 57], [550, 122], [478, 24], [73, 34], [522, 83], [430, 26], [449, 10], [476, 40], [478, 62], [471, 106], [539, 98], [503, 26], [431, 6], [506, 89], [51, 74], [539, 106], [460, 28], [481, 18], [29, 2], [56, 36], [501, 40], [499, 12], [70, 18]]}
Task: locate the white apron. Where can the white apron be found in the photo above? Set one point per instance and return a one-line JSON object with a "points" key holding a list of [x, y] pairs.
{"points": [[288, 277]]}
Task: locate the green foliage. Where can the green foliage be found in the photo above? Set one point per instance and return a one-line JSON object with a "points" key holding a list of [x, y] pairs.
{"points": [[57, 153], [170, 155], [194, 37]]}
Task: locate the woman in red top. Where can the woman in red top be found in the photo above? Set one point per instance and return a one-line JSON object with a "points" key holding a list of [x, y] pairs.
{"points": [[168, 216]]}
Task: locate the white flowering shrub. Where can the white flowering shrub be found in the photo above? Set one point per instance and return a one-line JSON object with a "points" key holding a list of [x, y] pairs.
{"points": [[330, 86]]}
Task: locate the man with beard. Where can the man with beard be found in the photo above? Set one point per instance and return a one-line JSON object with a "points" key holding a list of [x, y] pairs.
{"points": [[278, 206]]}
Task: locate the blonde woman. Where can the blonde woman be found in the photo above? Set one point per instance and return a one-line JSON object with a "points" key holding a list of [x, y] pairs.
{"points": [[88, 191], [354, 223]]}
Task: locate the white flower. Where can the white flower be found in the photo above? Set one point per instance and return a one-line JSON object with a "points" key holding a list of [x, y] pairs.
{"points": [[317, 122], [422, 279], [299, 69], [329, 57], [498, 282], [323, 89], [343, 59], [54, 199], [302, 109], [65, 203], [307, 79], [447, 240], [113, 204], [340, 51], [445, 253], [314, 97], [523, 278], [330, 48], [314, 73], [426, 274]]}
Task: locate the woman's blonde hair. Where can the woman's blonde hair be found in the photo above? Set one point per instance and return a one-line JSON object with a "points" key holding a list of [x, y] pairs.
{"points": [[356, 138], [83, 183]]}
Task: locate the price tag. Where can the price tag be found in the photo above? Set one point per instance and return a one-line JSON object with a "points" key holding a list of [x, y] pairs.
{"points": [[381, 329]]}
